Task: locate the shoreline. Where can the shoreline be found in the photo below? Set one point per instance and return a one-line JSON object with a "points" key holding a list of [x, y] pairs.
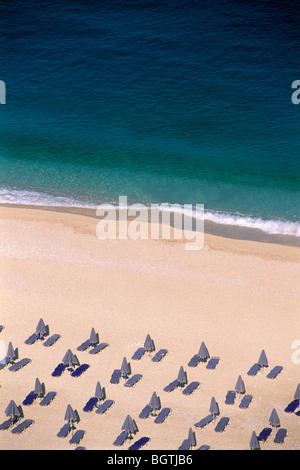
{"points": [[230, 232]]}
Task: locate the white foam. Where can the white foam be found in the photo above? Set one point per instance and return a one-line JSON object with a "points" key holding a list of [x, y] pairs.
{"points": [[270, 226]]}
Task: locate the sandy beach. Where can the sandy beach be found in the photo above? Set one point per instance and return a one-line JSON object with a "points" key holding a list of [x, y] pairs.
{"points": [[239, 297]]}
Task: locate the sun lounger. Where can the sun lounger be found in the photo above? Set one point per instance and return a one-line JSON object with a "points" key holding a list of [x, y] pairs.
{"points": [[90, 404], [84, 345], [194, 361], [185, 445], [104, 407], [48, 399], [79, 371], [3, 364], [30, 398], [245, 402], [204, 447], [58, 370], [280, 436], [138, 354], [32, 339], [212, 363], [222, 424], [1, 328], [230, 397], [190, 388], [145, 412], [171, 386], [133, 380], [254, 369], [51, 340], [203, 422], [264, 434], [162, 415], [22, 426], [7, 424], [76, 438], [115, 378], [140, 443], [98, 348], [274, 372], [159, 355], [292, 406], [64, 431], [80, 448], [120, 439], [19, 365]]}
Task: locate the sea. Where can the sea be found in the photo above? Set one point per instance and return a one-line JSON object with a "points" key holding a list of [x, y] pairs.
{"points": [[169, 102]]}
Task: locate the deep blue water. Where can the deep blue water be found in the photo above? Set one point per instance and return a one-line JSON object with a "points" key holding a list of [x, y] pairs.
{"points": [[162, 101]]}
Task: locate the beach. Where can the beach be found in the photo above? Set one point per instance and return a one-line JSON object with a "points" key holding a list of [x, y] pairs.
{"points": [[237, 296]]}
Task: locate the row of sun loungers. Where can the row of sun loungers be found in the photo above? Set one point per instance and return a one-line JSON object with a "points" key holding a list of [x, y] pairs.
{"points": [[93, 347]]}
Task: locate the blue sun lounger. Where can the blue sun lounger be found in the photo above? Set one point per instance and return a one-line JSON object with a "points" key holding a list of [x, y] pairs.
{"points": [[48, 399], [7, 424], [101, 409], [140, 443], [171, 386], [1, 328], [222, 424], [274, 372], [264, 434], [245, 402], [145, 412], [22, 426], [194, 361], [115, 378], [292, 406], [51, 340], [90, 404], [30, 398], [64, 431], [190, 388], [138, 354], [58, 370], [159, 355], [254, 369], [280, 436], [185, 445], [98, 348], [32, 339], [120, 439], [203, 422], [133, 380], [230, 397], [79, 371], [212, 363], [84, 345], [204, 447], [19, 365], [76, 438], [162, 415]]}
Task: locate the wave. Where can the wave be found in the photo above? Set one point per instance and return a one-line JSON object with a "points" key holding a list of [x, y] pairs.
{"points": [[269, 226]]}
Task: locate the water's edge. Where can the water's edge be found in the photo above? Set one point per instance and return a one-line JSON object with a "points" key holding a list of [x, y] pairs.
{"points": [[212, 228]]}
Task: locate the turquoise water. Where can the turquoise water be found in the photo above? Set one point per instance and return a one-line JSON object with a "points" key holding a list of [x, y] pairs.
{"points": [[164, 102]]}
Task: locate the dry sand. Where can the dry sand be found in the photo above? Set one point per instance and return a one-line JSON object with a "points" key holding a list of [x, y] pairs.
{"points": [[238, 297]]}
